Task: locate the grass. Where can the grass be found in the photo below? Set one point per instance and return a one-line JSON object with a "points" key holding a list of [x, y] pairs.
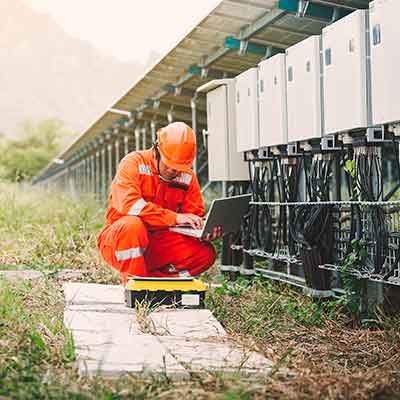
{"points": [[317, 350], [50, 232]]}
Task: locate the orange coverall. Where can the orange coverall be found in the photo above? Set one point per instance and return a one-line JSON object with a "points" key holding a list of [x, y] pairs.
{"points": [[135, 239]]}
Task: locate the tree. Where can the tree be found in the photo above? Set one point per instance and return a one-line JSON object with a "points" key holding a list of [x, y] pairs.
{"points": [[23, 158]]}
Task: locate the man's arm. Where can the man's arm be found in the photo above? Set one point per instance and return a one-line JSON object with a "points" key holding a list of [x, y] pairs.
{"points": [[193, 200], [193, 203], [127, 197]]}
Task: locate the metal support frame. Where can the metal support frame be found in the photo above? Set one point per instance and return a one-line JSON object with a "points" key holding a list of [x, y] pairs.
{"points": [[307, 8], [244, 46], [205, 72]]}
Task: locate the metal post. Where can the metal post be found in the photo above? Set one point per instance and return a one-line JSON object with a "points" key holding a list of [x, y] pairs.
{"points": [[144, 142], [126, 145], [224, 189], [117, 155], [82, 173], [97, 175], [92, 174], [137, 138], [103, 173], [110, 167], [193, 102], [87, 173], [153, 127]]}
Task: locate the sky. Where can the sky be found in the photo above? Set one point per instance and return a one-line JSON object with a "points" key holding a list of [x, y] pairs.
{"points": [[126, 29]]}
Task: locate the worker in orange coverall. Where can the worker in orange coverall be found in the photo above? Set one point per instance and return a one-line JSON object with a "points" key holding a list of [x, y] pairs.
{"points": [[153, 190]]}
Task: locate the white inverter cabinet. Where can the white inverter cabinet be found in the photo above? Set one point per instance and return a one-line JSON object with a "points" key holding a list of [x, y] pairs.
{"points": [[225, 163], [303, 77], [385, 60], [346, 97], [247, 110], [272, 101]]}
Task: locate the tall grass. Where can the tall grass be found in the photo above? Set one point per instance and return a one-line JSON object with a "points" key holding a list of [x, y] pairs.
{"points": [[47, 230]]}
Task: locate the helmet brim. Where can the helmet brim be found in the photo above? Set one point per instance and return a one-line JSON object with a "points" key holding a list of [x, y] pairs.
{"points": [[176, 166]]}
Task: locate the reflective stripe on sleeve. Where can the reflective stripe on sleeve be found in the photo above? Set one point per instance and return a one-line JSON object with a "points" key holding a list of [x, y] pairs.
{"points": [[135, 252], [137, 207]]}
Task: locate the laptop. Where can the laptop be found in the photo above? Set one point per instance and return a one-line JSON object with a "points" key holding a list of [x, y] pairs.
{"points": [[226, 212]]}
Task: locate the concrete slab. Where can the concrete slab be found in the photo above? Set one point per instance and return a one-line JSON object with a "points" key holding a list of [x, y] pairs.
{"points": [[93, 293], [196, 355], [101, 322], [18, 275], [187, 323], [134, 354], [108, 339]]}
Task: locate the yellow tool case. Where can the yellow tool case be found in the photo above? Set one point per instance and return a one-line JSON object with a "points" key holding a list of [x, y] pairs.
{"points": [[179, 292]]}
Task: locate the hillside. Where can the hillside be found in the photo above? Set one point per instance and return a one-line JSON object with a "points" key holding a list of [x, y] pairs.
{"points": [[46, 73]]}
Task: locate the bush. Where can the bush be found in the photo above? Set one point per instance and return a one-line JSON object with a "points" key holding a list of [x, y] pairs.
{"points": [[24, 157]]}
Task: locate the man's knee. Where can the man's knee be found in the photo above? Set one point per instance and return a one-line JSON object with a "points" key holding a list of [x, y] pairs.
{"points": [[131, 228], [130, 224]]}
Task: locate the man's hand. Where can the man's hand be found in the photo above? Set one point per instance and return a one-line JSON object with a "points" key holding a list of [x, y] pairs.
{"points": [[193, 220], [216, 234]]}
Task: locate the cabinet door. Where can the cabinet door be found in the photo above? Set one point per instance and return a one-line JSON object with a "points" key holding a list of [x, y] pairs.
{"points": [[247, 110], [345, 73], [385, 60], [218, 132], [272, 101], [304, 90]]}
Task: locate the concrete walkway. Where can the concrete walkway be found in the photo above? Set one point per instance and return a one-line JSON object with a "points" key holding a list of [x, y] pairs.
{"points": [[111, 340]]}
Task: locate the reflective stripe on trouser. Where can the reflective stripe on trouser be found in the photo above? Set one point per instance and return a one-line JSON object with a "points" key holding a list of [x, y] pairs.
{"points": [[128, 247]]}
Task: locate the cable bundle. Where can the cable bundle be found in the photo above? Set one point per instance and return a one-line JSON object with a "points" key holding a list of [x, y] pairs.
{"points": [[311, 226], [368, 167]]}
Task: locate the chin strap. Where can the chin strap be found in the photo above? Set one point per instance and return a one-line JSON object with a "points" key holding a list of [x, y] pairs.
{"points": [[158, 158]]}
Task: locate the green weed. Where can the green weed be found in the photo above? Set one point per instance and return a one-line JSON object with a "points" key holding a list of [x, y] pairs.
{"points": [[258, 306]]}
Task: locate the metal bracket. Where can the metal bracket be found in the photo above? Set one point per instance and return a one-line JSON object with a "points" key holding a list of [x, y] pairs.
{"points": [[243, 47], [268, 52], [395, 128], [335, 14], [375, 134], [292, 149], [329, 143], [170, 114], [263, 154], [247, 271], [205, 134], [178, 90], [302, 8], [229, 268], [204, 73]]}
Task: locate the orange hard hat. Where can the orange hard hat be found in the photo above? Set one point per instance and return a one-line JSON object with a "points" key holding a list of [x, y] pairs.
{"points": [[177, 145]]}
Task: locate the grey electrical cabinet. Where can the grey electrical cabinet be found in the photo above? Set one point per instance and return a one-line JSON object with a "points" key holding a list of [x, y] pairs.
{"points": [[346, 97], [385, 60], [272, 101], [225, 163], [247, 110], [304, 97]]}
